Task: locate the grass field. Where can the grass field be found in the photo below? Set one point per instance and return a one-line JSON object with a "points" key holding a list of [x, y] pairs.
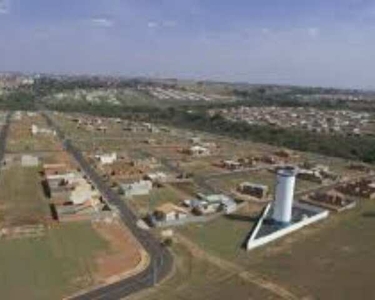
{"points": [[197, 279], [331, 260], [50, 267], [21, 196], [224, 236], [340, 255]]}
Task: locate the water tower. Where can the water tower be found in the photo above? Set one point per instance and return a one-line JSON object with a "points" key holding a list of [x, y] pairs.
{"points": [[284, 194]]}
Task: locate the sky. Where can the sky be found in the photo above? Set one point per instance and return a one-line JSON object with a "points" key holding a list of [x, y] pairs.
{"points": [[314, 42]]}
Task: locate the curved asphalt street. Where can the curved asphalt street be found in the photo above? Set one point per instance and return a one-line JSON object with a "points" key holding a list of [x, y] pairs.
{"points": [[160, 258]]}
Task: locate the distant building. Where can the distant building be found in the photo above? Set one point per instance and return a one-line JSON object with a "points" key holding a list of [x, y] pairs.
{"points": [[209, 204], [83, 192], [198, 151], [107, 159], [29, 161], [231, 164], [35, 130], [139, 188], [158, 177], [253, 189], [169, 212]]}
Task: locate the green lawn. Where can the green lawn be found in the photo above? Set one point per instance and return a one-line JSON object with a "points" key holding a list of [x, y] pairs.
{"points": [[50, 267]]}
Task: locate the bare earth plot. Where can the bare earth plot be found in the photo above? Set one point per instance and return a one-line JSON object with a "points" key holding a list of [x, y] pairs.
{"points": [[21, 139]]}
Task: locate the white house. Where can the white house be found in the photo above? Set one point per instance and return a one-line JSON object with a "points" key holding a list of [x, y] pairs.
{"points": [[107, 159], [169, 212], [199, 151], [83, 192], [29, 161], [157, 177], [140, 188], [38, 130]]}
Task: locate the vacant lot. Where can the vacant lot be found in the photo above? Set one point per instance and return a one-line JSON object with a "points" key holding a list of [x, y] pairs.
{"points": [[197, 279], [157, 197], [22, 200], [339, 252], [20, 138], [124, 253], [331, 260], [224, 236], [51, 267]]}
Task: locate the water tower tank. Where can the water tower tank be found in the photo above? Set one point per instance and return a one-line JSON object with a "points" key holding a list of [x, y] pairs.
{"points": [[285, 183]]}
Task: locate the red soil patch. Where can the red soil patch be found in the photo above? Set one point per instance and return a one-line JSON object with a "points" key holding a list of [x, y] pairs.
{"points": [[124, 254]]}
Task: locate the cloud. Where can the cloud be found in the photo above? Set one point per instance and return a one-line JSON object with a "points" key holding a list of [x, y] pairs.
{"points": [[4, 7], [169, 23], [102, 22], [313, 31], [152, 24], [162, 24]]}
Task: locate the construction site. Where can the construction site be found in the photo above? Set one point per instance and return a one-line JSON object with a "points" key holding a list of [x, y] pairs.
{"points": [[52, 202], [167, 172], [236, 211]]}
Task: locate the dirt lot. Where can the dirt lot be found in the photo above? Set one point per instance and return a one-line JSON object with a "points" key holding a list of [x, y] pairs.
{"points": [[20, 138], [123, 255]]}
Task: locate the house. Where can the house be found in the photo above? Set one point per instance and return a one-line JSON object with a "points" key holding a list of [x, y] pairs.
{"points": [[310, 175], [231, 164], [209, 204], [253, 189], [195, 140], [157, 177], [38, 130], [139, 188], [332, 197], [198, 151], [170, 212], [29, 161], [107, 159], [364, 188], [83, 192]]}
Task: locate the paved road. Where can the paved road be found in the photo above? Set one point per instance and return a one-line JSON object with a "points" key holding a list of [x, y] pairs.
{"points": [[161, 259]]}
